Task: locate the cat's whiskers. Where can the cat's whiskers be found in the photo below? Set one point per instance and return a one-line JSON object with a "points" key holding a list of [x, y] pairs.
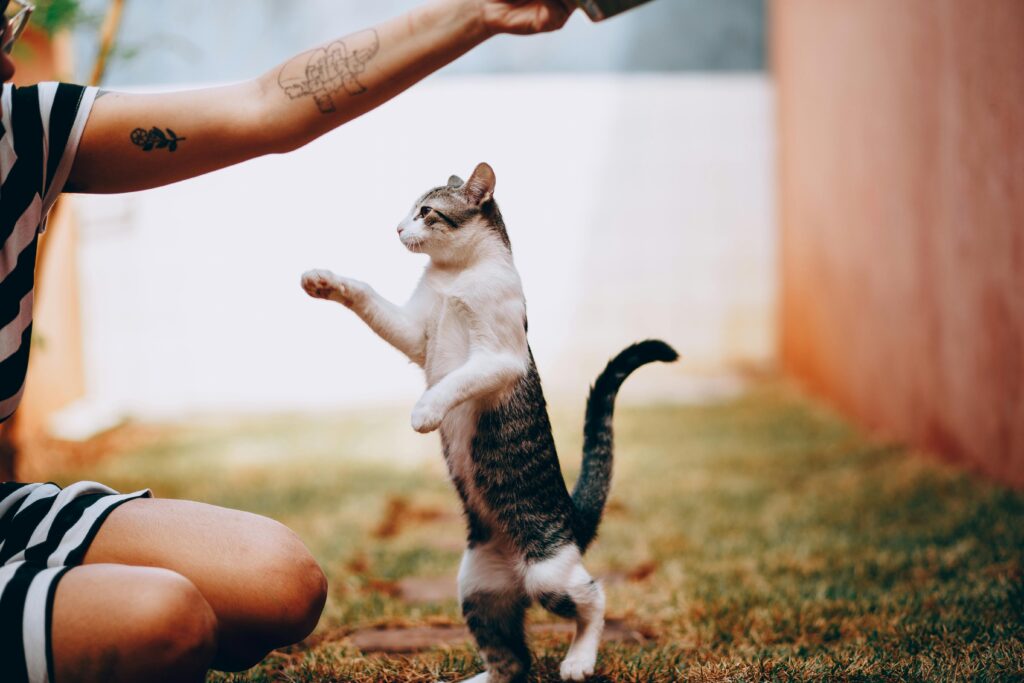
{"points": [[414, 243]]}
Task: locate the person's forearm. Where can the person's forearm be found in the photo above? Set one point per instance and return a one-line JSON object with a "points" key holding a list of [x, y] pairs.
{"points": [[323, 88], [137, 141]]}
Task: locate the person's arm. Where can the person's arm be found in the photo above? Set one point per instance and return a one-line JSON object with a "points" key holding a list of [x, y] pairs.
{"points": [[133, 142]]}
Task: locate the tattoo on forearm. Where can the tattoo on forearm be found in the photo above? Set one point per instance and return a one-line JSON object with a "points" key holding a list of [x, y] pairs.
{"points": [[328, 71], [154, 138]]}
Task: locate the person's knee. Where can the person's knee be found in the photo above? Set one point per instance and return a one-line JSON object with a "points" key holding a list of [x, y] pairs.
{"points": [[295, 581], [308, 594], [172, 623]]}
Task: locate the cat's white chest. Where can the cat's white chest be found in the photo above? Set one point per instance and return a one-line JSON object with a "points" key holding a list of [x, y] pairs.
{"points": [[474, 311], [447, 341], [448, 349]]}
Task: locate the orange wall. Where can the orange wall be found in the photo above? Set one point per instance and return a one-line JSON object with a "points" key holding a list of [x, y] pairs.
{"points": [[55, 373], [901, 171]]}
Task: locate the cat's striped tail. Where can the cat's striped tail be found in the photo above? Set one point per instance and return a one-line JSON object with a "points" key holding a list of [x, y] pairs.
{"points": [[591, 490]]}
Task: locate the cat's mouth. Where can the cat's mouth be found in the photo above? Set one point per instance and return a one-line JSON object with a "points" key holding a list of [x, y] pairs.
{"points": [[413, 243]]}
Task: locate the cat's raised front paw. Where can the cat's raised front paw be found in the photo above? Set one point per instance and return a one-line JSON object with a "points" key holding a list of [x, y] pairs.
{"points": [[323, 284], [320, 283], [426, 417]]}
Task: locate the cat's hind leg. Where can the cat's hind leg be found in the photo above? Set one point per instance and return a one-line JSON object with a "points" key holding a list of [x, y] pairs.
{"points": [[494, 606], [564, 587]]}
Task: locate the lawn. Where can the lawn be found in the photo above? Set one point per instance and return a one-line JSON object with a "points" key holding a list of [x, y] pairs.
{"points": [[762, 538]]}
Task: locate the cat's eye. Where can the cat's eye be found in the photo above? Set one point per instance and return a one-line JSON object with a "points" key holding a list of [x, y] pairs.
{"points": [[424, 211]]}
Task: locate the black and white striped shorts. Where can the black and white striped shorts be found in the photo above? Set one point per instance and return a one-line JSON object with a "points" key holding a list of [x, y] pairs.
{"points": [[44, 532]]}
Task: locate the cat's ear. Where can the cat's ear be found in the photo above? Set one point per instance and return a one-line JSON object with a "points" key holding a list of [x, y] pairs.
{"points": [[480, 186], [455, 181]]}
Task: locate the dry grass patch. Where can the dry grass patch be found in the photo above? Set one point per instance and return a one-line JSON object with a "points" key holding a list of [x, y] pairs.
{"points": [[759, 539]]}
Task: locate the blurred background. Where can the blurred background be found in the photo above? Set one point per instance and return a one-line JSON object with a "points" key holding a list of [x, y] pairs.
{"points": [[638, 172], [851, 215], [819, 204], [635, 170]]}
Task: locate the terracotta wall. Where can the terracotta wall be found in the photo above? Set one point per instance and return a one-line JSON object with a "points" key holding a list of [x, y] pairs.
{"points": [[901, 171], [55, 371]]}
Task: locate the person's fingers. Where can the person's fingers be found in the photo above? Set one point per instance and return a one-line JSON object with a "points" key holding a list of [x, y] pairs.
{"points": [[559, 13], [536, 16], [569, 5]]}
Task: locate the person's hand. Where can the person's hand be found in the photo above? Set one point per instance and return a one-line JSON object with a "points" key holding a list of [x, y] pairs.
{"points": [[525, 16]]}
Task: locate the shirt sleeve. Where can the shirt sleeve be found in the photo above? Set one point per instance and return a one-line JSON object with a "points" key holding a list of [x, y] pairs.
{"points": [[48, 120], [64, 108]]}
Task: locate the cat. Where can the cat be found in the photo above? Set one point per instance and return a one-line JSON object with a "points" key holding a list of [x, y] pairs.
{"points": [[465, 325]]}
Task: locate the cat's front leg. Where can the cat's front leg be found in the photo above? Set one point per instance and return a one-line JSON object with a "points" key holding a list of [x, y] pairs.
{"points": [[428, 413], [391, 323], [483, 374]]}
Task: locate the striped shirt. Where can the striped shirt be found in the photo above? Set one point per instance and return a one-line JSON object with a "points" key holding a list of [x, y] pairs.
{"points": [[39, 134]]}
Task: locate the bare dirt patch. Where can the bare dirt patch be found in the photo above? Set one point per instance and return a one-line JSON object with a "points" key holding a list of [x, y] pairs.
{"points": [[400, 513], [426, 590], [414, 639]]}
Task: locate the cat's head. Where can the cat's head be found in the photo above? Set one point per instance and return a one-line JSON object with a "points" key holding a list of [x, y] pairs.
{"points": [[454, 222]]}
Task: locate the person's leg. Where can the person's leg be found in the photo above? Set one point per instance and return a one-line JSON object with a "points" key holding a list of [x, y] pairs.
{"points": [[113, 623], [265, 588]]}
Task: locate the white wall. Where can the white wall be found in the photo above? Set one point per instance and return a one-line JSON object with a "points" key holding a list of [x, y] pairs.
{"points": [[637, 206]]}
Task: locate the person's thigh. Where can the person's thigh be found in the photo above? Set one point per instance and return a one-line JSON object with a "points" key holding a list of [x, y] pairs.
{"points": [[114, 623], [261, 581]]}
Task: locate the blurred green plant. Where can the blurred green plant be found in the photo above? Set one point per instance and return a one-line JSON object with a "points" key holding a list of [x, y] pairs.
{"points": [[53, 15]]}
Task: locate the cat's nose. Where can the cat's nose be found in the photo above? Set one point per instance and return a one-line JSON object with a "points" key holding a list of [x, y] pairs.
{"points": [[400, 229]]}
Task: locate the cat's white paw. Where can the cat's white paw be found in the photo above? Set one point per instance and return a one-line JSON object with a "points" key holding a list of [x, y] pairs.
{"points": [[426, 416], [479, 678], [323, 284], [320, 283], [576, 667]]}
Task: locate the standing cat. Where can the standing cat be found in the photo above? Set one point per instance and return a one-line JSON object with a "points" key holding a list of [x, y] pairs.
{"points": [[466, 326]]}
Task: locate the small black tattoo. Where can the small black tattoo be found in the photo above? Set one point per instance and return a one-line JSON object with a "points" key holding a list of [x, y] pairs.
{"points": [[154, 138], [330, 70]]}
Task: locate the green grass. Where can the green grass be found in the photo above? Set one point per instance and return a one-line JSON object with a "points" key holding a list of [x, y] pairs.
{"points": [[759, 539]]}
